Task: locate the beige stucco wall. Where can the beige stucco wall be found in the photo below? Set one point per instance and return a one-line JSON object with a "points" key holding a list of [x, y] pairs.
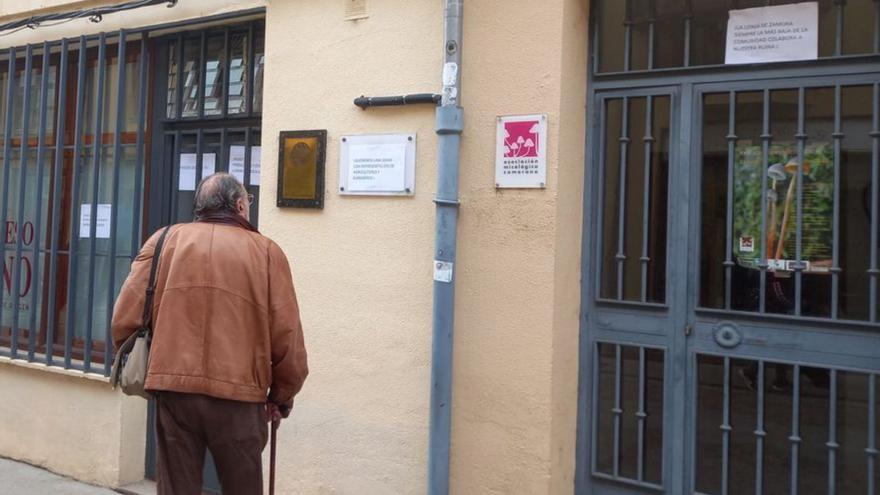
{"points": [[71, 424], [363, 265]]}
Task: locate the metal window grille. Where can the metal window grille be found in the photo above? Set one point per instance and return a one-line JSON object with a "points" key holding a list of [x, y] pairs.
{"points": [[76, 154], [73, 145], [656, 35]]}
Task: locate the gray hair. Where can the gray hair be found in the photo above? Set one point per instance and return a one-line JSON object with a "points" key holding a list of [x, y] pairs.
{"points": [[218, 193]]}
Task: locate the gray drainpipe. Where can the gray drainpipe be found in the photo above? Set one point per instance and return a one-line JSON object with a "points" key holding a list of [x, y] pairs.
{"points": [[449, 128]]}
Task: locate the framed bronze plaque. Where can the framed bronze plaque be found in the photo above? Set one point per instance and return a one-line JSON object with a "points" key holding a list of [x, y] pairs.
{"points": [[301, 157]]}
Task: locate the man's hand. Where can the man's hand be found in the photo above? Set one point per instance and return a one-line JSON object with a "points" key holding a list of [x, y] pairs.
{"points": [[273, 414]]}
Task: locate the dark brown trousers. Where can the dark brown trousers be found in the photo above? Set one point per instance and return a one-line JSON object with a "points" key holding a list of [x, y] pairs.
{"points": [[235, 432]]}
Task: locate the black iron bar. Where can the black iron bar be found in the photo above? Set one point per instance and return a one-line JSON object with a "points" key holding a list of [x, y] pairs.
{"points": [[731, 162], [24, 153], [73, 265], [56, 199], [139, 152], [114, 213], [93, 216], [7, 155], [38, 199], [838, 136]]}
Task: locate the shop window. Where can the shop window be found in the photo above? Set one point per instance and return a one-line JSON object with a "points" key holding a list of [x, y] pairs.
{"points": [[72, 202]]}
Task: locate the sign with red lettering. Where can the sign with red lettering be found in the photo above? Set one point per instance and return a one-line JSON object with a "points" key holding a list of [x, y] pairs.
{"points": [[18, 265]]}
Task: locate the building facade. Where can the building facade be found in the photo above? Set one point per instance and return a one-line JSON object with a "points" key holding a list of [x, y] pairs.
{"points": [[686, 304]]}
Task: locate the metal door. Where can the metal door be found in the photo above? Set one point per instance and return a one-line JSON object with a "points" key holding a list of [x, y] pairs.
{"points": [[784, 351], [210, 148], [633, 392], [730, 296], [207, 106]]}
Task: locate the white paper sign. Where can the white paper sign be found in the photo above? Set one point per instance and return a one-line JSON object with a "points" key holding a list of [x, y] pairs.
{"points": [[377, 167], [236, 163], [256, 161], [521, 152], [209, 164], [102, 229], [187, 177], [377, 164], [773, 34]]}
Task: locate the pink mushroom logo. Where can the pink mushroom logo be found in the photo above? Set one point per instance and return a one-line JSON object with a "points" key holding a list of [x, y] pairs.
{"points": [[521, 139]]}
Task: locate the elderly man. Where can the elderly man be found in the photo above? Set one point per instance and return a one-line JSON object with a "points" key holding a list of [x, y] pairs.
{"points": [[227, 351]]}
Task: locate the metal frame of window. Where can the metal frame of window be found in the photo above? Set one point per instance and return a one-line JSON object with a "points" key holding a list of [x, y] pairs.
{"points": [[145, 217]]}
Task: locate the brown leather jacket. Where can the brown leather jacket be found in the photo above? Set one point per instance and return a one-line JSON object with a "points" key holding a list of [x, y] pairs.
{"points": [[225, 317]]}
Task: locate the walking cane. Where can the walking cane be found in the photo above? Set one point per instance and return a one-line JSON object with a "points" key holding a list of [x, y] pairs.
{"points": [[272, 457]]}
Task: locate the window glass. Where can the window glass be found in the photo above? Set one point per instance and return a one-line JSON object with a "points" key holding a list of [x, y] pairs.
{"points": [[635, 177], [238, 72], [191, 73], [215, 77], [858, 26], [623, 24], [173, 80], [259, 62], [34, 196], [612, 32]]}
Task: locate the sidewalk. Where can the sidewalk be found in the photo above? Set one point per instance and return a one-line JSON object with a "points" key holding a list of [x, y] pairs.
{"points": [[17, 478]]}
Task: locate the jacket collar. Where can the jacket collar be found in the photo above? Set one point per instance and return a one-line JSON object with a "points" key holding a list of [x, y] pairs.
{"points": [[227, 218]]}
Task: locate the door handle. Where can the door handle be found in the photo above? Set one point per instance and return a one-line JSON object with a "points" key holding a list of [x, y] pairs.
{"points": [[688, 330]]}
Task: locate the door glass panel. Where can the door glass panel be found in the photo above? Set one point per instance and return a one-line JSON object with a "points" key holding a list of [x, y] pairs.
{"points": [[784, 235], [630, 412], [636, 163], [733, 392], [747, 199], [855, 218], [818, 207], [714, 199]]}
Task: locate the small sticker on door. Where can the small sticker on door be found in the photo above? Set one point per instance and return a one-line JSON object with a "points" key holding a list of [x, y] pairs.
{"points": [[747, 244]]}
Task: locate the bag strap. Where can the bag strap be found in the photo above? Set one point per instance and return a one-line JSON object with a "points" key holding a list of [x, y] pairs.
{"points": [[151, 287]]}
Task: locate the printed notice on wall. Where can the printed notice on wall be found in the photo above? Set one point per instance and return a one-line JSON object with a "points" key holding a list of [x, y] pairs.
{"points": [[376, 167], [377, 164], [102, 227], [773, 34], [236, 163], [188, 161], [521, 152]]}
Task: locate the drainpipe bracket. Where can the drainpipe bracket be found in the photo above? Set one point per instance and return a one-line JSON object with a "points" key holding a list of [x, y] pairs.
{"points": [[447, 202], [450, 120]]}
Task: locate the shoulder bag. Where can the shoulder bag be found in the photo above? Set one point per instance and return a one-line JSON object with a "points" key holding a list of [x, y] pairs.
{"points": [[130, 366]]}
